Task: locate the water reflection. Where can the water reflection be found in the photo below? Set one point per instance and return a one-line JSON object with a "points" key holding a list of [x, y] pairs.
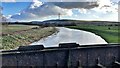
{"points": [[66, 35]]}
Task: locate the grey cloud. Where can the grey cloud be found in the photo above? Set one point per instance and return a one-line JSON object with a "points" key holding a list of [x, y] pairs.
{"points": [[70, 5]]}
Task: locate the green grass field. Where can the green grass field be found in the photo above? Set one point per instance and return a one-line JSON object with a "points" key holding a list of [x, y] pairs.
{"points": [[12, 28], [21, 35], [109, 33]]}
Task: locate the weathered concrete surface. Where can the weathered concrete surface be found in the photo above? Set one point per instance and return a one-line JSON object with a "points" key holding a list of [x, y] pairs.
{"points": [[56, 57]]}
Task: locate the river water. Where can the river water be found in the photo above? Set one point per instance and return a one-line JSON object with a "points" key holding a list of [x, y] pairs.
{"points": [[66, 35]]}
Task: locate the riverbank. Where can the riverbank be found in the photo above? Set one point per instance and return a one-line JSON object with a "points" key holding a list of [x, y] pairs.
{"points": [[19, 35], [109, 33]]}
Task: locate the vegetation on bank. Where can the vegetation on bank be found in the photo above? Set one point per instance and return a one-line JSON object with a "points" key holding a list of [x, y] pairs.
{"points": [[109, 33], [19, 35]]}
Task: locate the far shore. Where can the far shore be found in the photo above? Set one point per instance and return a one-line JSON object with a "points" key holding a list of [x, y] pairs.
{"points": [[109, 33]]}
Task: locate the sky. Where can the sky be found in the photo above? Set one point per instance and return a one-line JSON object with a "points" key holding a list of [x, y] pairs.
{"points": [[40, 10]]}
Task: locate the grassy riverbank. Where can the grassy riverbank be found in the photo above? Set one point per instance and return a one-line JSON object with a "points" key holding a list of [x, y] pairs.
{"points": [[109, 33], [20, 35]]}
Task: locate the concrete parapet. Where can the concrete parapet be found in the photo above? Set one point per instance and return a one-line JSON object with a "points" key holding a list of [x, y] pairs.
{"points": [[82, 56]]}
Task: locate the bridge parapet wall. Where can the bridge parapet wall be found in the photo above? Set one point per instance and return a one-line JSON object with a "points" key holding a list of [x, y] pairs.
{"points": [[84, 56]]}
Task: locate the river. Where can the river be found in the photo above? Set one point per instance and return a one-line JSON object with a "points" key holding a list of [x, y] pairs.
{"points": [[66, 35]]}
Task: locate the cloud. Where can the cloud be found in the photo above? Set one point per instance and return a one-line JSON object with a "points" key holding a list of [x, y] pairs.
{"points": [[111, 8], [34, 13], [83, 11], [36, 4], [105, 6], [104, 12], [38, 10], [69, 0], [71, 5]]}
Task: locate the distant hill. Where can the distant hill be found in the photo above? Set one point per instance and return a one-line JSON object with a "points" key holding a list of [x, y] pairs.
{"points": [[76, 21], [63, 22]]}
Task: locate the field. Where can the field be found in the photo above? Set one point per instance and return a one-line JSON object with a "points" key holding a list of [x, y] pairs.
{"points": [[109, 33], [14, 36], [20, 35], [13, 28]]}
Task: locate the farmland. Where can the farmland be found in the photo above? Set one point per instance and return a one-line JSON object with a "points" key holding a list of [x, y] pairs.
{"points": [[109, 33], [14, 36]]}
